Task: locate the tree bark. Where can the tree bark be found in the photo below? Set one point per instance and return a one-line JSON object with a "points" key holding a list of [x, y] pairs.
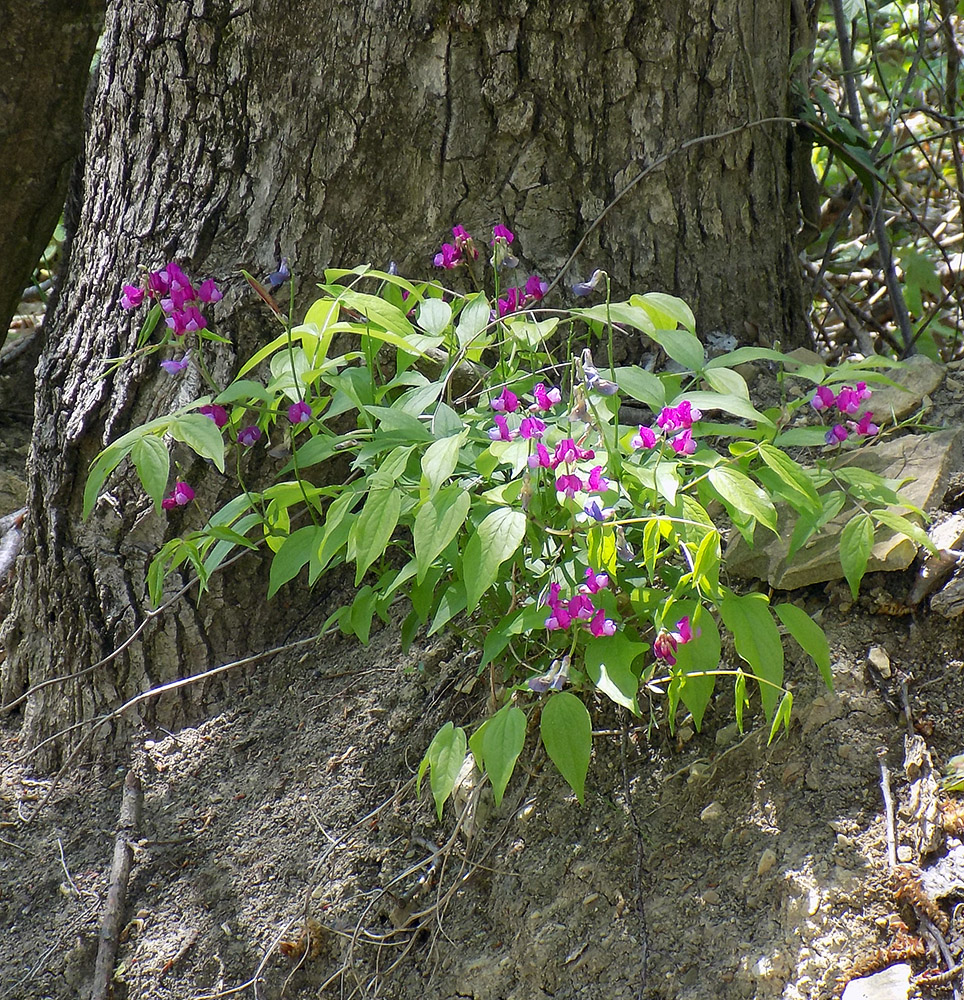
{"points": [[45, 50], [334, 132]]}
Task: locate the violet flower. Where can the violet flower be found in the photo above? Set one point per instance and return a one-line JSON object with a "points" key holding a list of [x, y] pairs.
{"points": [[217, 413], [172, 367], [644, 439], [299, 413], [132, 297], [181, 494], [506, 402], [532, 427], [249, 436]]}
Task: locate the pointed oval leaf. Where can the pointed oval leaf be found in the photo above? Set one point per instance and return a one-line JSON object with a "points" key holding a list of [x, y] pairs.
{"points": [[609, 664], [434, 316], [439, 461], [494, 541], [372, 531], [566, 731], [757, 640], [153, 464], [201, 434], [502, 743], [742, 493], [810, 636], [445, 756], [856, 541], [473, 319], [437, 523], [295, 551]]}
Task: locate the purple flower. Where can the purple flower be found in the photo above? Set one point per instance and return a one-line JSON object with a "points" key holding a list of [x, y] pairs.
{"points": [[583, 288], [501, 430], [597, 481], [823, 398], [601, 625], [501, 233], [678, 418], [592, 379], [217, 413], [593, 512], [624, 551], [536, 288], [173, 367], [683, 443], [684, 631], [560, 619], [505, 402], [132, 297], [581, 607], [644, 439], [532, 427], [187, 320], [299, 413], [181, 494], [448, 257], [864, 426], [511, 303], [541, 459], [567, 452], [249, 436], [594, 582], [837, 434], [555, 677], [664, 647], [569, 484], [209, 291], [545, 399]]}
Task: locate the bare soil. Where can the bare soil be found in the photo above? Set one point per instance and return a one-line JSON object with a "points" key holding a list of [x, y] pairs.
{"points": [[702, 865]]}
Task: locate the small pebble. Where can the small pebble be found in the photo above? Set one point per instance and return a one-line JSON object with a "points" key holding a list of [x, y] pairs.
{"points": [[878, 658], [905, 854], [713, 813], [767, 860]]}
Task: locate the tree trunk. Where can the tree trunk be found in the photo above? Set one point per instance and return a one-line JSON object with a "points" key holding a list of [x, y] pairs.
{"points": [[45, 51], [335, 132]]}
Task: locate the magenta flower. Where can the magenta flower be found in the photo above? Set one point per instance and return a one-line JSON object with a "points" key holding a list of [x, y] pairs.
{"points": [[299, 413], [683, 443], [678, 418], [569, 484], [173, 367], [187, 320], [505, 402], [849, 400], [823, 398], [532, 427], [581, 607], [559, 619], [644, 439], [249, 436], [594, 582], [181, 494], [209, 291], [684, 631], [500, 232], [501, 430], [132, 297], [664, 647], [448, 257], [567, 452], [545, 399], [217, 413], [601, 625], [864, 425], [463, 242], [597, 481], [536, 288], [511, 303], [541, 459], [837, 434]]}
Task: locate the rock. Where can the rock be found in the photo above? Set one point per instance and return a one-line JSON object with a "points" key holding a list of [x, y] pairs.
{"points": [[713, 813], [891, 984], [928, 460], [877, 657], [767, 860], [918, 377]]}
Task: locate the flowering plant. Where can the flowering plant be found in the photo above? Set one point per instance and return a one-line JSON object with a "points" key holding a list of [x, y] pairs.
{"points": [[580, 550]]}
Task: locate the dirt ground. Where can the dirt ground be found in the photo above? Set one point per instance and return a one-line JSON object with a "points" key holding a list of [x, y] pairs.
{"points": [[702, 865]]}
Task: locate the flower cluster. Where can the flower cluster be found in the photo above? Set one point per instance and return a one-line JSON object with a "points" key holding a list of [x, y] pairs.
{"points": [[666, 643], [847, 401], [531, 426], [676, 423], [178, 298], [580, 608], [517, 299], [452, 255]]}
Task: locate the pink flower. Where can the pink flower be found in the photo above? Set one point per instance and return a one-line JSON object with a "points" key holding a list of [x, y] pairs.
{"points": [[511, 302], [848, 401], [532, 427], [501, 233], [181, 494], [217, 413], [664, 647], [823, 398], [132, 297], [677, 418], [448, 257], [644, 439], [837, 434], [505, 402], [581, 607], [209, 291], [597, 481], [569, 484], [501, 430], [567, 452], [545, 399], [541, 459], [683, 443], [594, 582], [601, 625], [684, 631], [864, 426], [536, 288], [249, 436], [299, 413]]}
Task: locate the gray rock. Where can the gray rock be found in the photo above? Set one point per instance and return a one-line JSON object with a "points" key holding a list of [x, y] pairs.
{"points": [[918, 378], [891, 984]]}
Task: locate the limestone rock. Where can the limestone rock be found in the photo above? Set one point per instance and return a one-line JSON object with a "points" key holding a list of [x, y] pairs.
{"points": [[892, 983]]}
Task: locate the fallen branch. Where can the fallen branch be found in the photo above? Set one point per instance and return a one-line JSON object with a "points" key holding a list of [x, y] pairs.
{"points": [[130, 814]]}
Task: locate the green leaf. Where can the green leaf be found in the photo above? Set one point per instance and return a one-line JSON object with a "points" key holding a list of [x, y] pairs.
{"points": [[737, 405], [437, 523], [727, 382], [781, 716], [899, 523], [609, 664], [619, 312], [445, 756], [153, 464], [738, 490], [566, 731], [793, 475], [757, 640], [743, 354], [434, 316], [681, 346], [102, 466], [810, 636], [294, 553], [473, 319], [373, 528], [495, 540], [697, 662], [666, 311], [856, 541], [360, 613], [201, 434], [439, 461], [502, 742], [642, 385]]}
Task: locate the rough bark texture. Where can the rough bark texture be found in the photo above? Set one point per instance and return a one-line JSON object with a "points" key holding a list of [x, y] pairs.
{"points": [[225, 133], [45, 49]]}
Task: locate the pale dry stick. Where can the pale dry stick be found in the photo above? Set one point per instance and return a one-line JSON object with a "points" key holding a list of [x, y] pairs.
{"points": [[655, 165], [127, 823], [888, 808], [96, 724], [63, 864]]}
